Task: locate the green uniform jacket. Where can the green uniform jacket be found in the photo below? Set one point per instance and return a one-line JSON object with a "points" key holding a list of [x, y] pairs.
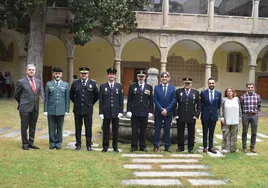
{"points": [[57, 100]]}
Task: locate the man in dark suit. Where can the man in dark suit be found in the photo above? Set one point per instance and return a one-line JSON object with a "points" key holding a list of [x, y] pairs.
{"points": [[165, 101], [139, 107], [210, 106], [84, 94], [27, 93], [111, 106], [56, 106], [188, 110]]}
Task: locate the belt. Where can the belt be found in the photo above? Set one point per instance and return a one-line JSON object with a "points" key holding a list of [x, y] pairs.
{"points": [[251, 113]]}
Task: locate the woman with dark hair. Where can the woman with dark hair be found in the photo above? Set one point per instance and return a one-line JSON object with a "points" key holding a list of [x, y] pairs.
{"points": [[230, 116]]}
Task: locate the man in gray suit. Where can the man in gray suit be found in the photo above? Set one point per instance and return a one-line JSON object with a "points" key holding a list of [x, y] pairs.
{"points": [[27, 93], [56, 106]]}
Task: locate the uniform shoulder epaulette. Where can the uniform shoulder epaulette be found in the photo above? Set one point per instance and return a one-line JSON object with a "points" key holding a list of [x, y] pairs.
{"points": [[133, 83], [93, 80], [119, 83]]}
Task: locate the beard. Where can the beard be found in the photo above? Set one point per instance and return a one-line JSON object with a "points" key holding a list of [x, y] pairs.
{"points": [[211, 87], [57, 78]]}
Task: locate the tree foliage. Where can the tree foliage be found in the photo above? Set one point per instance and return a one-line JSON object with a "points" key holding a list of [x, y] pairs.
{"points": [[109, 16]]}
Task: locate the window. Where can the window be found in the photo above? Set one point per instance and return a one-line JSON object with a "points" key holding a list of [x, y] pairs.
{"points": [[235, 62]]}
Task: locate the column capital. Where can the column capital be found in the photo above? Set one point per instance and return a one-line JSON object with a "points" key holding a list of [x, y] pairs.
{"points": [[252, 65], [70, 57], [117, 59], [256, 1]]}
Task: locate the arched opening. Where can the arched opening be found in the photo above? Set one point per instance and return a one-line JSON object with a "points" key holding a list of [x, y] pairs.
{"points": [[97, 55], [186, 59], [232, 60], [137, 54], [262, 73]]}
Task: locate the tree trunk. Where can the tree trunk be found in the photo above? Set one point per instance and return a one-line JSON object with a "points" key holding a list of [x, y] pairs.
{"points": [[36, 42]]}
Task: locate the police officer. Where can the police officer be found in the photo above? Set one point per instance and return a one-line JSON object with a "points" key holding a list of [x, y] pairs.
{"points": [[139, 107], [188, 110], [84, 94], [110, 108], [56, 106]]}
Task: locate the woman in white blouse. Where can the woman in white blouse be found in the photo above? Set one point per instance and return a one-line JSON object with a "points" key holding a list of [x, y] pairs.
{"points": [[230, 116]]}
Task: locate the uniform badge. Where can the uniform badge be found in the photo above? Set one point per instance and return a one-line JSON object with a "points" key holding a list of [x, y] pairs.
{"points": [[135, 89], [181, 94], [193, 96], [116, 91], [90, 86], [105, 89], [147, 92]]}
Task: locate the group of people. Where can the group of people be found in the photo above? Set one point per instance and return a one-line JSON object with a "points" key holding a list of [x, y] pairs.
{"points": [[6, 84], [163, 102]]}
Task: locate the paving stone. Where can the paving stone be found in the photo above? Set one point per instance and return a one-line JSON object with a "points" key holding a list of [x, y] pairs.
{"points": [[137, 166], [187, 155], [153, 182], [165, 160], [218, 154], [198, 130], [183, 167], [100, 149], [4, 129], [11, 134], [201, 134], [37, 130], [257, 140], [44, 136], [252, 154], [262, 135], [141, 155], [198, 140], [219, 136], [169, 174], [205, 182], [218, 147], [67, 133]]}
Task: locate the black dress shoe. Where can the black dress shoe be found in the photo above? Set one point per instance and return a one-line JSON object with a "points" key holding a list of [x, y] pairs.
{"points": [[33, 147], [51, 147], [89, 148], [144, 149], [180, 150], [133, 149], [78, 147], [104, 150], [205, 150], [116, 150], [25, 147], [212, 150], [58, 148], [191, 151]]}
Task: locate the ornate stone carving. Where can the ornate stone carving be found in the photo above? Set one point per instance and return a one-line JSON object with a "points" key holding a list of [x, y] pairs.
{"points": [[152, 78], [163, 41], [117, 40]]}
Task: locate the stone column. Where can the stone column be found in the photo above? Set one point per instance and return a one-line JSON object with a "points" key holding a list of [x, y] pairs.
{"points": [[163, 66], [165, 13], [207, 73], [255, 14], [70, 69], [23, 63], [211, 15], [117, 62], [251, 74]]}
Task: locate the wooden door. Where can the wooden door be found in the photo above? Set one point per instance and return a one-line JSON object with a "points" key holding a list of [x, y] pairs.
{"points": [[47, 74], [262, 87], [128, 78]]}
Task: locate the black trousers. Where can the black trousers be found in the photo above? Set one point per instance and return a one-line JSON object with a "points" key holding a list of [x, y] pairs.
{"points": [[191, 134], [208, 126], [78, 128], [28, 120], [106, 132], [8, 90], [139, 130]]}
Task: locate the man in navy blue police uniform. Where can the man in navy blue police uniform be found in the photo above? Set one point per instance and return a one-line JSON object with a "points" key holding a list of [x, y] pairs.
{"points": [[84, 94], [140, 106], [110, 108]]}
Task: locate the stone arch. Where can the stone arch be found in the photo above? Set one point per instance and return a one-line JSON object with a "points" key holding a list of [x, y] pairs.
{"points": [[139, 35], [197, 41], [59, 35], [240, 41]]}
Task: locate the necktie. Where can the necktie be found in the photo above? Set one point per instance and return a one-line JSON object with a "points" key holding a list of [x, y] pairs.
{"points": [[84, 83], [187, 92], [111, 86], [57, 83], [211, 96], [33, 86], [165, 90], [141, 87]]}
